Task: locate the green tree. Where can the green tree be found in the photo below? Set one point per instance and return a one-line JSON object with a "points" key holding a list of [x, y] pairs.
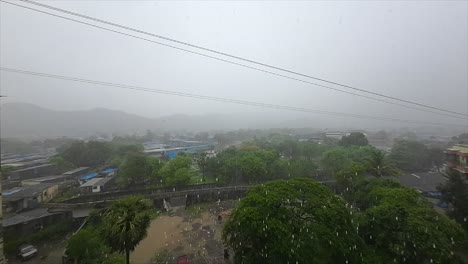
{"points": [[335, 160], [202, 161], [311, 150], [354, 139], [152, 169], [177, 171], [455, 192], [125, 224], [292, 221], [86, 247], [134, 169], [290, 149], [180, 177], [379, 165], [401, 224], [90, 154], [61, 163], [410, 156]]}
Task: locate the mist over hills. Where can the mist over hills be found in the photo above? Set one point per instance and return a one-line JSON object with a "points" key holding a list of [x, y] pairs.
{"points": [[28, 121]]}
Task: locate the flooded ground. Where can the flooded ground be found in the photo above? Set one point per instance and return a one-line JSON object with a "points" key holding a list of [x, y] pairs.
{"points": [[195, 232]]}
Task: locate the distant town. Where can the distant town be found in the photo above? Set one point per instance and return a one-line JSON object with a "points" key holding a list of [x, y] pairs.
{"points": [[57, 188]]}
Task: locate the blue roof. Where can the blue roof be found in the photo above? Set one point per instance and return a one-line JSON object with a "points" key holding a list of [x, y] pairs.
{"points": [[109, 170], [88, 176], [171, 155]]}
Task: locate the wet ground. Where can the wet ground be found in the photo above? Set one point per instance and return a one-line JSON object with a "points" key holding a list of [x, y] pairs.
{"points": [[50, 253], [194, 232]]}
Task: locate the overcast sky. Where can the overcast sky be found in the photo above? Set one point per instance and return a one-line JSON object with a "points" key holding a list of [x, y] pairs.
{"points": [[414, 50]]}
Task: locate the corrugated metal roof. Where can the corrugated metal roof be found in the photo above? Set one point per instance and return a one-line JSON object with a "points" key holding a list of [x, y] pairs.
{"points": [[91, 182], [109, 170], [89, 176]]}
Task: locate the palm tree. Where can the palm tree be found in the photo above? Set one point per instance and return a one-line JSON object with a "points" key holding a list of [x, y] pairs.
{"points": [[125, 224], [379, 165]]}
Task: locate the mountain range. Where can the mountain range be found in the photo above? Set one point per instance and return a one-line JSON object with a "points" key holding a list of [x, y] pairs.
{"points": [[28, 121]]}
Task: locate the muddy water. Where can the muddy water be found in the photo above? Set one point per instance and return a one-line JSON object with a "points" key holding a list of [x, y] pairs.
{"points": [[181, 234], [163, 232]]}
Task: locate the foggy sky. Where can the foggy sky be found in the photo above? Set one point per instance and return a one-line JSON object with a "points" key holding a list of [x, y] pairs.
{"points": [[413, 50]]}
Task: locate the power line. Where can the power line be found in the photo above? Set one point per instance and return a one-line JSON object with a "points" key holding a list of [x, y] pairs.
{"points": [[240, 58], [221, 99]]}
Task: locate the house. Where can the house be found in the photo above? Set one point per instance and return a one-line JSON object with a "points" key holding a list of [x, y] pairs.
{"points": [[88, 177], [29, 222], [457, 158], [33, 172], [96, 185], [28, 197]]}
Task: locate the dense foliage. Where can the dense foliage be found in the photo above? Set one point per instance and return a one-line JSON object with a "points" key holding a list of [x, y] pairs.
{"points": [[455, 192], [354, 139], [292, 221], [411, 156], [299, 220]]}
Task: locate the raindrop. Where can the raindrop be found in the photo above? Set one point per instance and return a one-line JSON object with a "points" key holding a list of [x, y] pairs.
{"points": [[396, 218], [173, 189]]}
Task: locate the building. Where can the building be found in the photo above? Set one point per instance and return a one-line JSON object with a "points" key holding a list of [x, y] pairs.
{"points": [[109, 172], [337, 135], [78, 172], [29, 222], [47, 179], [28, 197], [88, 177], [33, 172], [96, 185], [457, 158]]}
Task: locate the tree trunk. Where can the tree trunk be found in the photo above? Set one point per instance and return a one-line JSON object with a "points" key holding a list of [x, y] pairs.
{"points": [[127, 256]]}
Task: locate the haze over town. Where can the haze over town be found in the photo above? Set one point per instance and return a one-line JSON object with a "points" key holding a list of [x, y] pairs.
{"points": [[226, 132]]}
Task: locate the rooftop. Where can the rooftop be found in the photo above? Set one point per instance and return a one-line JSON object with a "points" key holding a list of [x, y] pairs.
{"points": [[89, 176], [47, 178], [91, 182], [35, 167], [19, 193], [459, 148], [427, 181], [109, 170], [26, 217], [75, 170]]}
